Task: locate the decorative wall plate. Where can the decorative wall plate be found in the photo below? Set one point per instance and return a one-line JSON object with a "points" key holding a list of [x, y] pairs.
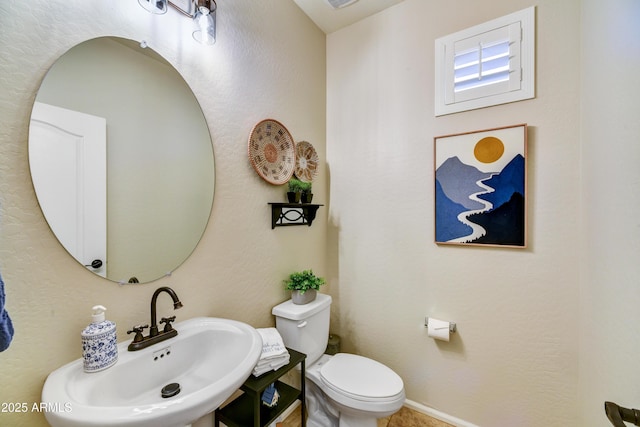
{"points": [[306, 161], [272, 151]]}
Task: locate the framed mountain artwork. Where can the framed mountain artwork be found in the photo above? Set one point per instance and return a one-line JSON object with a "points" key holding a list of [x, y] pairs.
{"points": [[480, 187]]}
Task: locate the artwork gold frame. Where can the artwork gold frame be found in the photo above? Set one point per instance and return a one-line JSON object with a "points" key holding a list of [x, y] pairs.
{"points": [[481, 187]]}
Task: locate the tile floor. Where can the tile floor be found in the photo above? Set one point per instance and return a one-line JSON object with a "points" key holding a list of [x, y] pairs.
{"points": [[405, 417]]}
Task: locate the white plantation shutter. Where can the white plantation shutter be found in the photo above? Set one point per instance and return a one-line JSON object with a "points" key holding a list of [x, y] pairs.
{"points": [[486, 65]]}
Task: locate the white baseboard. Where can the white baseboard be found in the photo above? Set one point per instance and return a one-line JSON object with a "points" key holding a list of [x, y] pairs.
{"points": [[418, 407], [434, 413]]}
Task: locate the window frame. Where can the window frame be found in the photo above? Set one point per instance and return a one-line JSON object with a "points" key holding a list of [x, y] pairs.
{"points": [[520, 28]]}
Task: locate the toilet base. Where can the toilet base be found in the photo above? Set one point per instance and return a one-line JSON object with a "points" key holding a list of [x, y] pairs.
{"points": [[320, 413], [351, 421], [323, 412]]}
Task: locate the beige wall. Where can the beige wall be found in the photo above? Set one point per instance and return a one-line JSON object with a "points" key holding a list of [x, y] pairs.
{"points": [[269, 62], [514, 360], [610, 295], [545, 334]]}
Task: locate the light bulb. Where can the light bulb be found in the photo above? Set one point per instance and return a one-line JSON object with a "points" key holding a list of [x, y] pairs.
{"points": [[206, 32]]}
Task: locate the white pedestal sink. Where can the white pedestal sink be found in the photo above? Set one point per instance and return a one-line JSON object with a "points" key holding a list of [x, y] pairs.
{"points": [[209, 360]]}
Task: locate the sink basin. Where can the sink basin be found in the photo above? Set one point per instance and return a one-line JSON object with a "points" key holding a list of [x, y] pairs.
{"points": [[209, 358]]}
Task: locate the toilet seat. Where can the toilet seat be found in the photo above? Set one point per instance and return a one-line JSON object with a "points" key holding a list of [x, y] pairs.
{"points": [[361, 379]]}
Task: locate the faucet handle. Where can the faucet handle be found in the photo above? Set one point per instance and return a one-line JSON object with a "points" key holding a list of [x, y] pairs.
{"points": [[138, 331], [167, 323]]}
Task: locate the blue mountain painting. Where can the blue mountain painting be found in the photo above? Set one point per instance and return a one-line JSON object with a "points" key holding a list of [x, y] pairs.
{"points": [[458, 181], [447, 225], [492, 205], [507, 182]]}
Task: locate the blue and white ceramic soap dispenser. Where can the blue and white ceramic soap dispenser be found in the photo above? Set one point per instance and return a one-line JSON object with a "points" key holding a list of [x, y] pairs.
{"points": [[99, 342]]}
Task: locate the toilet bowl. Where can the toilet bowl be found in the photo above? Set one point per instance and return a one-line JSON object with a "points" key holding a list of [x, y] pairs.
{"points": [[357, 388], [344, 390]]}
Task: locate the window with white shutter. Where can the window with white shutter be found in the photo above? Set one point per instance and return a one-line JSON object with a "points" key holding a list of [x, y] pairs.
{"points": [[489, 64]]}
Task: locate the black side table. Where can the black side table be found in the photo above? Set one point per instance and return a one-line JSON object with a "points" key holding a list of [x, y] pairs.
{"points": [[248, 410]]}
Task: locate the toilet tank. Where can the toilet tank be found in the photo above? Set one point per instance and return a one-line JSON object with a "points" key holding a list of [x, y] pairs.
{"points": [[305, 328]]}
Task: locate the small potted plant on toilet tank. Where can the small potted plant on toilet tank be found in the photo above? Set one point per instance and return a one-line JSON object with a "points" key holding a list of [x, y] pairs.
{"points": [[304, 286]]}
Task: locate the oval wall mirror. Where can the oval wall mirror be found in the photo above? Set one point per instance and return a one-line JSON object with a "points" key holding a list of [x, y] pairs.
{"points": [[121, 160]]}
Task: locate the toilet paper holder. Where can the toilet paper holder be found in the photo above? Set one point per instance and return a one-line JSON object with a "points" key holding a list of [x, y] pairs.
{"points": [[452, 326]]}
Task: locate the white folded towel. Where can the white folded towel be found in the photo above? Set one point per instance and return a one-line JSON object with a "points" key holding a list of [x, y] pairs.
{"points": [[272, 344], [274, 353], [273, 366]]}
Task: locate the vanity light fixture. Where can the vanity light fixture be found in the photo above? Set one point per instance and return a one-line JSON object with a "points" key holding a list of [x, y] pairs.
{"points": [[339, 4], [203, 12], [157, 7]]}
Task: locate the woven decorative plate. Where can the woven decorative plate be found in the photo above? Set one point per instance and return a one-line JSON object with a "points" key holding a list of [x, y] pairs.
{"points": [[272, 151], [306, 161]]}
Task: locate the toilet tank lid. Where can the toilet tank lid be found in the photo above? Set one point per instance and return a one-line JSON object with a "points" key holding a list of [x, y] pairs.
{"points": [[289, 310]]}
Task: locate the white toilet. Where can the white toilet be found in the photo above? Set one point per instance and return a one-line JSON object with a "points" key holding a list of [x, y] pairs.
{"points": [[343, 390]]}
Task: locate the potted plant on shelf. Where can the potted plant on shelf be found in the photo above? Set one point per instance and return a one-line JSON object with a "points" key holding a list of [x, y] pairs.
{"points": [[294, 189], [307, 195], [304, 286]]}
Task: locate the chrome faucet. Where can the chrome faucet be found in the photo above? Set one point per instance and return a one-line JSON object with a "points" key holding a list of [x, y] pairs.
{"points": [[155, 336]]}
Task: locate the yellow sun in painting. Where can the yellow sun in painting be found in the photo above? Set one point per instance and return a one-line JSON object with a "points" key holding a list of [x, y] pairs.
{"points": [[488, 149]]}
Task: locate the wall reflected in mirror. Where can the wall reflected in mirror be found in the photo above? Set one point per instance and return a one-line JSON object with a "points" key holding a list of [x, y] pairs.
{"points": [[121, 160]]}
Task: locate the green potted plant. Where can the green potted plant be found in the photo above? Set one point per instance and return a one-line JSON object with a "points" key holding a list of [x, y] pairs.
{"points": [[304, 286], [294, 187], [307, 195]]}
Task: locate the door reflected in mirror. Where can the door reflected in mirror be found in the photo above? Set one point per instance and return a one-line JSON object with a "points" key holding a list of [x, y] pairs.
{"points": [[121, 160]]}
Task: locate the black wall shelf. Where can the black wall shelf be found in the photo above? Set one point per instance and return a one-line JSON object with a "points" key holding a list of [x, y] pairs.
{"points": [[286, 214]]}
